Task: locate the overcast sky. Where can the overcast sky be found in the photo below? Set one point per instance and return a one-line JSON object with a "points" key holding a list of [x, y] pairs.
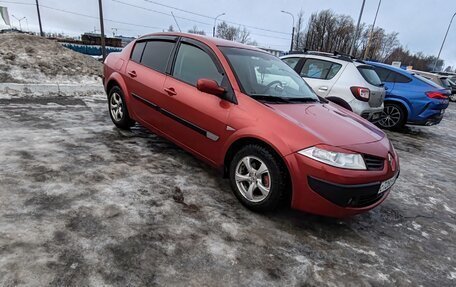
{"points": [[421, 24]]}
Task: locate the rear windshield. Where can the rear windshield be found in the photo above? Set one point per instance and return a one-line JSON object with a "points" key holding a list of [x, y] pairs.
{"points": [[370, 75]]}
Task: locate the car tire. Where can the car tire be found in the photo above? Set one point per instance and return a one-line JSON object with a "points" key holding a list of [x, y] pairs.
{"points": [[118, 109], [270, 181], [453, 97], [395, 117]]}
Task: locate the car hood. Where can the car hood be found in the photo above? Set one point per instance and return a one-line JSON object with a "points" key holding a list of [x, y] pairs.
{"points": [[330, 124]]}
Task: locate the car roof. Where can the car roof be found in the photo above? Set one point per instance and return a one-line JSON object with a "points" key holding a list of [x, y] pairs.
{"points": [[340, 59], [390, 67], [206, 39]]}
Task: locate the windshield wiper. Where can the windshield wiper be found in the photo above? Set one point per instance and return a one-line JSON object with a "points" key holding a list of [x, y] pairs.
{"points": [[288, 100], [269, 98], [303, 100]]}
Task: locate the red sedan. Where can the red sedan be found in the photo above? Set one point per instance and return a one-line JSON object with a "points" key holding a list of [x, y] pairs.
{"points": [[248, 114]]}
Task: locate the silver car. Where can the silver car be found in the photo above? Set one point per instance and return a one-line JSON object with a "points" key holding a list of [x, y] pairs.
{"points": [[342, 80]]}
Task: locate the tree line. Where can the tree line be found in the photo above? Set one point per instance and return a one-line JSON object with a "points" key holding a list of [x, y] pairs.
{"points": [[327, 31]]}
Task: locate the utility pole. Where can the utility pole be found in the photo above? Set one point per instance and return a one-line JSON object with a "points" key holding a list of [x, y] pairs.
{"points": [[443, 43], [292, 30], [103, 45], [357, 29], [372, 31], [39, 18]]}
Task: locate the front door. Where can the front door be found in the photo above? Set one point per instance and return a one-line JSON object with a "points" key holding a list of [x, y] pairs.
{"points": [[196, 119]]}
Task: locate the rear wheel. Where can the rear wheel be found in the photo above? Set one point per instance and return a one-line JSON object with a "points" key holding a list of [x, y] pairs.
{"points": [[118, 109], [453, 97], [395, 117], [258, 178]]}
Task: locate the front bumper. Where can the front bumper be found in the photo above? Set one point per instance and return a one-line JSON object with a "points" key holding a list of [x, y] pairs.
{"points": [[325, 190]]}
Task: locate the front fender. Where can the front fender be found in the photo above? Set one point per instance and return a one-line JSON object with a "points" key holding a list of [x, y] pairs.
{"points": [[268, 138]]}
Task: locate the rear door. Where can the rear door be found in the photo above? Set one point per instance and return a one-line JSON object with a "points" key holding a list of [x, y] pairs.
{"points": [[321, 75], [387, 77], [196, 119], [146, 73]]}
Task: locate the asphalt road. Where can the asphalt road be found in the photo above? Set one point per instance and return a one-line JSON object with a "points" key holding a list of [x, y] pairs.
{"points": [[85, 204]]}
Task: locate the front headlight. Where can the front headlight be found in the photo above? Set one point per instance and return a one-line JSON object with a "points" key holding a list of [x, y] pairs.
{"points": [[337, 159]]}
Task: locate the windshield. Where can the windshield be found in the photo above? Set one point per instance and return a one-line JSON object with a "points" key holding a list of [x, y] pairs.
{"points": [[445, 83], [261, 75]]}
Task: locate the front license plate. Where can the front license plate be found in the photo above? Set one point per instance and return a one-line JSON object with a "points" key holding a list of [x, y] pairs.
{"points": [[387, 184]]}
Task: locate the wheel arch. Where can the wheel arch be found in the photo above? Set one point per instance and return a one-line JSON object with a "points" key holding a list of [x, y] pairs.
{"points": [[239, 143], [402, 104]]}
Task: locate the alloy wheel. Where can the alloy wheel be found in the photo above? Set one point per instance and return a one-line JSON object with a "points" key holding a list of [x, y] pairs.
{"points": [[116, 107], [392, 117], [252, 178]]}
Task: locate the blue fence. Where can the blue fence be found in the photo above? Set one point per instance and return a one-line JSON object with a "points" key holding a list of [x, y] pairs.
{"points": [[92, 50]]}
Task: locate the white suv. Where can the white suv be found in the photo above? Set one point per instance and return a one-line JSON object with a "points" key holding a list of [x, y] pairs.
{"points": [[345, 81]]}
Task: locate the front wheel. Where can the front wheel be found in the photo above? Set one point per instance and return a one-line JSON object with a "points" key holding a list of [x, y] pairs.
{"points": [[118, 109], [453, 97], [395, 117], [258, 178]]}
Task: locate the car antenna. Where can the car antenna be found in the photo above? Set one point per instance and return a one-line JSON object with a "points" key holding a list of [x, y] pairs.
{"points": [[176, 22]]}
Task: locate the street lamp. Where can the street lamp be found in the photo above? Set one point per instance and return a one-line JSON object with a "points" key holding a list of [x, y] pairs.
{"points": [[292, 30], [443, 43], [215, 23], [357, 29], [372, 30], [19, 20]]}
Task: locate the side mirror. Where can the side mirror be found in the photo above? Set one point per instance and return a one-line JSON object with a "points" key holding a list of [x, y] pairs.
{"points": [[210, 87]]}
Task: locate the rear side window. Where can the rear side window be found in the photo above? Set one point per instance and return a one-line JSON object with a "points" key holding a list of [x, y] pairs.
{"points": [[193, 64], [318, 69], [398, 78], [292, 62], [156, 55], [137, 52], [370, 75]]}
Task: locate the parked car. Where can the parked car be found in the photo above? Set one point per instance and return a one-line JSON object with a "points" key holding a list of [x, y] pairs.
{"points": [[248, 114], [349, 83], [441, 80], [410, 98]]}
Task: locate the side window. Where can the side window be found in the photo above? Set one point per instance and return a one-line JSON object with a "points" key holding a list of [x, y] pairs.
{"points": [[318, 69], [385, 75], [292, 62], [137, 52], [333, 71], [156, 55], [398, 78], [192, 64]]}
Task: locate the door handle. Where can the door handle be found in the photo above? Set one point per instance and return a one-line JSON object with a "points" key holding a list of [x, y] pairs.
{"points": [[170, 91], [323, 88], [132, 74]]}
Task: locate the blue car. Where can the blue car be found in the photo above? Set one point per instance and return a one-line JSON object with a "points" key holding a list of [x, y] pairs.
{"points": [[410, 98]]}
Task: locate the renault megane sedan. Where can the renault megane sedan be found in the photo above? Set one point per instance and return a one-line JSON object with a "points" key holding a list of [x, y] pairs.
{"points": [[248, 114]]}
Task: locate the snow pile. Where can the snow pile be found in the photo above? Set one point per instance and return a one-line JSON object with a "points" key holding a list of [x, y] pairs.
{"points": [[32, 59]]}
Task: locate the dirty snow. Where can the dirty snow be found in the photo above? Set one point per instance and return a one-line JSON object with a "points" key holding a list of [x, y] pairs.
{"points": [[85, 204]]}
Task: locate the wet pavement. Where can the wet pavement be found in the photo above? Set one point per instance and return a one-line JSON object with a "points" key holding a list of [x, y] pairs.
{"points": [[85, 204]]}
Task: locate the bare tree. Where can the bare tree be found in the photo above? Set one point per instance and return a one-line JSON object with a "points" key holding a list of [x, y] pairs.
{"points": [[195, 30], [170, 28], [226, 31], [243, 36]]}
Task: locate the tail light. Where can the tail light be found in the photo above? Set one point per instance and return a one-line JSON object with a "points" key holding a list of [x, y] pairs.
{"points": [[436, 95], [361, 93]]}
